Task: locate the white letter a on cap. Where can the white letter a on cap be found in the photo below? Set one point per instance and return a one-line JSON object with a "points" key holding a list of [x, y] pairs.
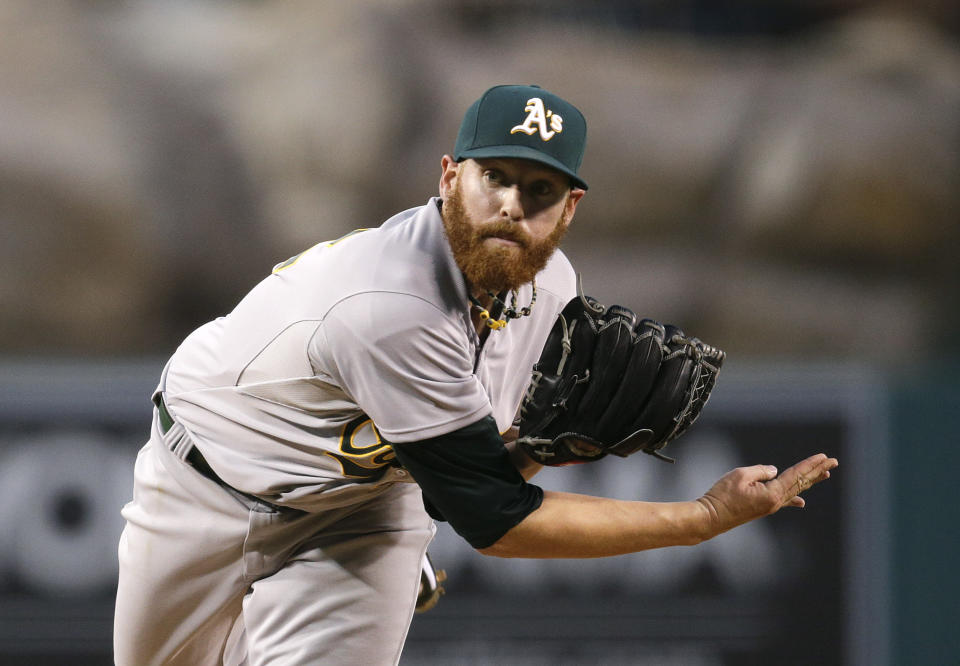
{"points": [[536, 115]]}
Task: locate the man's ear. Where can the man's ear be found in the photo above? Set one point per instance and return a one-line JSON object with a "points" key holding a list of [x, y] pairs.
{"points": [[570, 207], [448, 175]]}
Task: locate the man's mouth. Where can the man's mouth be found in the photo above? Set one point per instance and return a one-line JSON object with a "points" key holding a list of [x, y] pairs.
{"points": [[506, 239]]}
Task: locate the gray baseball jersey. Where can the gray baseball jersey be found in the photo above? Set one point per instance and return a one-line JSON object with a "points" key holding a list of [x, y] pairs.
{"points": [[281, 397], [355, 341]]}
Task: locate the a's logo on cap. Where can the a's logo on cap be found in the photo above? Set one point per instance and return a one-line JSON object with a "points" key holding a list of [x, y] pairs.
{"points": [[539, 119]]}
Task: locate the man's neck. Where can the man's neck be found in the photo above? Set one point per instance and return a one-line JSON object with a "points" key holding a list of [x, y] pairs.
{"points": [[483, 297]]}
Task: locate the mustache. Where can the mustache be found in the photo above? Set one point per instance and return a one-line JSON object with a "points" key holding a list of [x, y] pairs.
{"points": [[505, 231]]}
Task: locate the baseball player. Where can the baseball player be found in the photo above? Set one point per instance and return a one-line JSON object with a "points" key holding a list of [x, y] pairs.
{"points": [[303, 445]]}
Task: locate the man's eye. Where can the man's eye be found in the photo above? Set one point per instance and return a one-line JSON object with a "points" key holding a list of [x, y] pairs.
{"points": [[493, 176], [542, 189]]}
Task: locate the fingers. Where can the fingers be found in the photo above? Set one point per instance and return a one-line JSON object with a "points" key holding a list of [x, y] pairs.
{"points": [[802, 476]]}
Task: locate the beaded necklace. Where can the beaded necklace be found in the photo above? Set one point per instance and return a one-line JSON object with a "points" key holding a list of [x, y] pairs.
{"points": [[507, 313]]}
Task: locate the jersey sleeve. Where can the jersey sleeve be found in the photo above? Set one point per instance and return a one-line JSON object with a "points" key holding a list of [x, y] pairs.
{"points": [[468, 480], [406, 364]]}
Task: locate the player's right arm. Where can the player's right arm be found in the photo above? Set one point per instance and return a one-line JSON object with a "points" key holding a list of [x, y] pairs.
{"points": [[577, 526], [469, 479]]}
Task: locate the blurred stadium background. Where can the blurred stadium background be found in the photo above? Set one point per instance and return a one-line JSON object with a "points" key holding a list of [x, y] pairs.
{"points": [[781, 177]]}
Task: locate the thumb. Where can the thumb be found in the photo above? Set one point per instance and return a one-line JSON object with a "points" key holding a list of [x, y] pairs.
{"points": [[765, 472]]}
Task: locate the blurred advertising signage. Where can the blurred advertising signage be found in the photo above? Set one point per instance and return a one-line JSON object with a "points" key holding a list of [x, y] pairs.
{"points": [[69, 433]]}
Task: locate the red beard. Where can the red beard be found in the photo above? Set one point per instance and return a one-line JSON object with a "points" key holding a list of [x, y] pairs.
{"points": [[495, 267]]}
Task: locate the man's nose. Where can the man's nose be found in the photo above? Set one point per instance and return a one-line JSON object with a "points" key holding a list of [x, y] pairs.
{"points": [[511, 205]]}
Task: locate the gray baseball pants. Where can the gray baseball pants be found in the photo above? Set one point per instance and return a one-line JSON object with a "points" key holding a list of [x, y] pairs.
{"points": [[211, 577]]}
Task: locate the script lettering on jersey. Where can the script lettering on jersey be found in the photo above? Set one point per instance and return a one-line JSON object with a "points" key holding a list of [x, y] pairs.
{"points": [[362, 453], [540, 120]]}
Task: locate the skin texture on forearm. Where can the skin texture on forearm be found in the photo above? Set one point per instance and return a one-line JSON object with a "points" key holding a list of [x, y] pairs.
{"points": [[579, 526], [568, 525]]}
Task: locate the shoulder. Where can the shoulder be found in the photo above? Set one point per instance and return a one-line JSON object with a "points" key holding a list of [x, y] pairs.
{"points": [[387, 310], [396, 324], [407, 254], [391, 336]]}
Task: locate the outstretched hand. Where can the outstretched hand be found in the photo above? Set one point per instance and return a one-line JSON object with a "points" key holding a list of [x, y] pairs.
{"points": [[747, 493]]}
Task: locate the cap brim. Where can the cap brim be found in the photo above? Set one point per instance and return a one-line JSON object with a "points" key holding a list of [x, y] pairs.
{"points": [[524, 153]]}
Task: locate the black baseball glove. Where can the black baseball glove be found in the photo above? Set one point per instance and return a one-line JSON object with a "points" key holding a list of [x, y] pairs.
{"points": [[610, 382]]}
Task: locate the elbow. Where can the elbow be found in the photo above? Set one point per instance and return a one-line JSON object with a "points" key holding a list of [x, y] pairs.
{"points": [[490, 551], [694, 540], [499, 548], [495, 550], [511, 543]]}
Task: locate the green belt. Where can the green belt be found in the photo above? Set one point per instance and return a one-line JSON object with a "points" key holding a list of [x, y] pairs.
{"points": [[193, 457], [166, 421]]}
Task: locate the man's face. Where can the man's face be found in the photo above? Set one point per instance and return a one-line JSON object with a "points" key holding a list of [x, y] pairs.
{"points": [[504, 218]]}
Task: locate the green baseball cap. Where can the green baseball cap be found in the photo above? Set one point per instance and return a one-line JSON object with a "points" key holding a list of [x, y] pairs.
{"points": [[527, 122]]}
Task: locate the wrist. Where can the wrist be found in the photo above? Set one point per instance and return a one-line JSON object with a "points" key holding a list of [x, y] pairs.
{"points": [[707, 520]]}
